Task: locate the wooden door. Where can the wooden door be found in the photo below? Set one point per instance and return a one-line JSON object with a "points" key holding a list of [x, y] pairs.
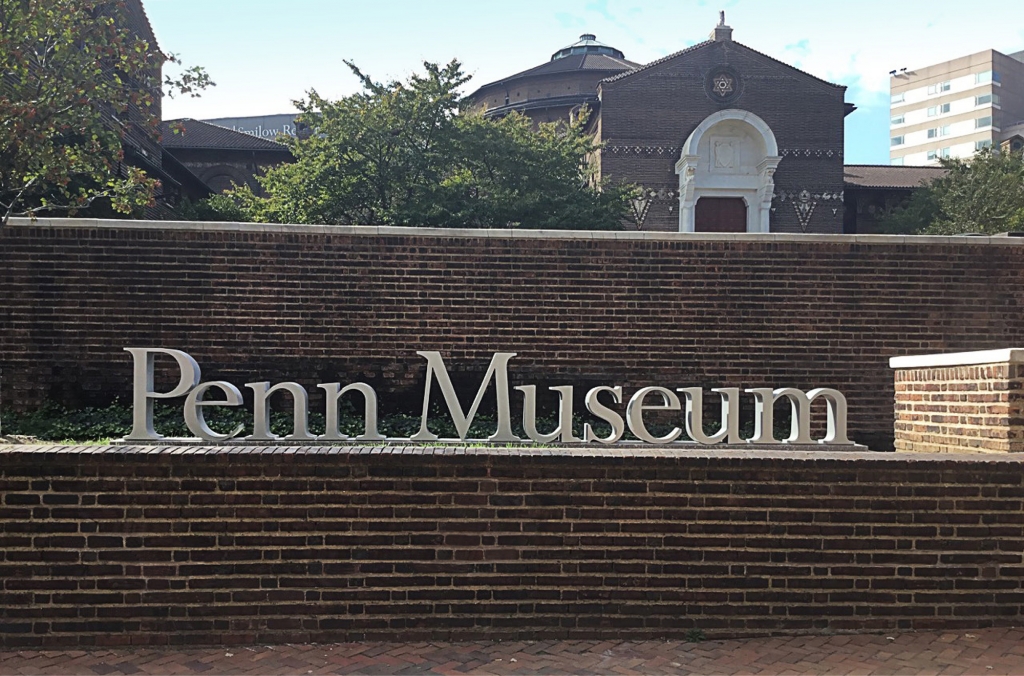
{"points": [[720, 214]]}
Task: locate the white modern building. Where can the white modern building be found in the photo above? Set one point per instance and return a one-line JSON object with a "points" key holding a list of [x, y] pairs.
{"points": [[955, 108]]}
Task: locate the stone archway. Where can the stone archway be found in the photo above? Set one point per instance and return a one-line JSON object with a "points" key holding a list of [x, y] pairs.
{"points": [[732, 153]]}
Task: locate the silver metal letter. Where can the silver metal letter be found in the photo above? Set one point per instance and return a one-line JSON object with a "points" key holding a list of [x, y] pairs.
{"points": [[695, 415], [835, 432], [498, 367], [635, 414], [564, 428], [764, 416], [800, 409], [334, 392], [261, 411], [142, 390], [194, 410], [595, 406]]}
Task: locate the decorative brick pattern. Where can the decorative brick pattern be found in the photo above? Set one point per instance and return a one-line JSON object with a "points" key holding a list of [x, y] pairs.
{"points": [[315, 304], [959, 408], [136, 545], [646, 117]]}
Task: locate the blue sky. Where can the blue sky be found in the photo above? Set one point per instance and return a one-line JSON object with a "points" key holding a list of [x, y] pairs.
{"points": [[265, 53]]}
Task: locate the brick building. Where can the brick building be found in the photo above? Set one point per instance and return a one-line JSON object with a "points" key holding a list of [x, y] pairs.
{"points": [[141, 139], [222, 157], [719, 136]]}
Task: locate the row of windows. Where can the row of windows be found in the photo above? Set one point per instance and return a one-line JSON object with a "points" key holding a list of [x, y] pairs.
{"points": [[942, 109], [945, 130], [944, 152], [942, 87]]}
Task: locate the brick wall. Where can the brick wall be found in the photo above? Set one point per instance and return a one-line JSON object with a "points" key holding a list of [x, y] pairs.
{"points": [[647, 116], [115, 546], [346, 304], [961, 407]]}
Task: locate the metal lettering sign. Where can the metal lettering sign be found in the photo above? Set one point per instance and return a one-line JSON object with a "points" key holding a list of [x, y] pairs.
{"points": [[652, 398]]}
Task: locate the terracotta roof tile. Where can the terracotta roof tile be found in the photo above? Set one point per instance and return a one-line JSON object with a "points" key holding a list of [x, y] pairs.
{"points": [[199, 134], [571, 63], [701, 45], [886, 176], [663, 59]]}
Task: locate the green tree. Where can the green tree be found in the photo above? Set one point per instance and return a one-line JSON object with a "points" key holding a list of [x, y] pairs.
{"points": [[401, 153], [73, 80], [982, 194], [510, 174]]}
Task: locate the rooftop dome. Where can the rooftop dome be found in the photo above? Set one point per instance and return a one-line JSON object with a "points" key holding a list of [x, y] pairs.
{"points": [[587, 44]]}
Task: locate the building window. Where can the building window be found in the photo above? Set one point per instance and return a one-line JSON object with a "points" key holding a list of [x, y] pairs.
{"points": [[939, 87], [981, 145], [941, 109], [944, 152], [996, 78], [945, 130], [982, 122], [896, 98], [932, 154], [896, 119], [983, 78], [982, 100], [932, 133], [897, 140], [896, 161]]}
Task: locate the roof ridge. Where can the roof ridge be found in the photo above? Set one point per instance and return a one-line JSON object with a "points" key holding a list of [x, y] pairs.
{"points": [[250, 138], [895, 166], [788, 65], [691, 48]]}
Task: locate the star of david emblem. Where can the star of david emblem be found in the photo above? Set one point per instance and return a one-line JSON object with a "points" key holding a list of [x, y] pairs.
{"points": [[722, 85]]}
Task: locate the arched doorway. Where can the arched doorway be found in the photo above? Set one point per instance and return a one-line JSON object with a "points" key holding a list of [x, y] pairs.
{"points": [[733, 155], [720, 214]]}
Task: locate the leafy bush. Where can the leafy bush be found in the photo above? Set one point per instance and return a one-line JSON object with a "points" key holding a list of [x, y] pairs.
{"points": [[57, 423]]}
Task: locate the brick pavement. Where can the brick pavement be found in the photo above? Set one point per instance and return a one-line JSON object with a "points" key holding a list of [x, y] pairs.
{"points": [[986, 651]]}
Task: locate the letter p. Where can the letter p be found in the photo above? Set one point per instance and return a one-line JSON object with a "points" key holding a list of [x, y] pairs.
{"points": [[142, 391]]}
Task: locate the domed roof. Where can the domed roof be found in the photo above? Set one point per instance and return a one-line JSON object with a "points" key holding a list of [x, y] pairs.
{"points": [[576, 70], [587, 54], [587, 44]]}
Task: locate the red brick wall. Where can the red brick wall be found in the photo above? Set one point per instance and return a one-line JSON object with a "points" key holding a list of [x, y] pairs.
{"points": [[673, 310], [103, 546], [951, 409]]}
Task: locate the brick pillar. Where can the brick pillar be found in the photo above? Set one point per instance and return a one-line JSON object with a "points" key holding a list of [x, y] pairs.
{"points": [[966, 401]]}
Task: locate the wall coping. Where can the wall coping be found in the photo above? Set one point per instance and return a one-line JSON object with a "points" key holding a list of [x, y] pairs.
{"points": [[1011, 355], [482, 452], [510, 234]]}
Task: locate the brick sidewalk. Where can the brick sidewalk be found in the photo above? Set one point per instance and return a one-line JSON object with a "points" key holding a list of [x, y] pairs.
{"points": [[988, 651]]}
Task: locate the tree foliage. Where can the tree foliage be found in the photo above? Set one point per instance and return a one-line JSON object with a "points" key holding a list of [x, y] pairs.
{"points": [[983, 194], [402, 153], [74, 79]]}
